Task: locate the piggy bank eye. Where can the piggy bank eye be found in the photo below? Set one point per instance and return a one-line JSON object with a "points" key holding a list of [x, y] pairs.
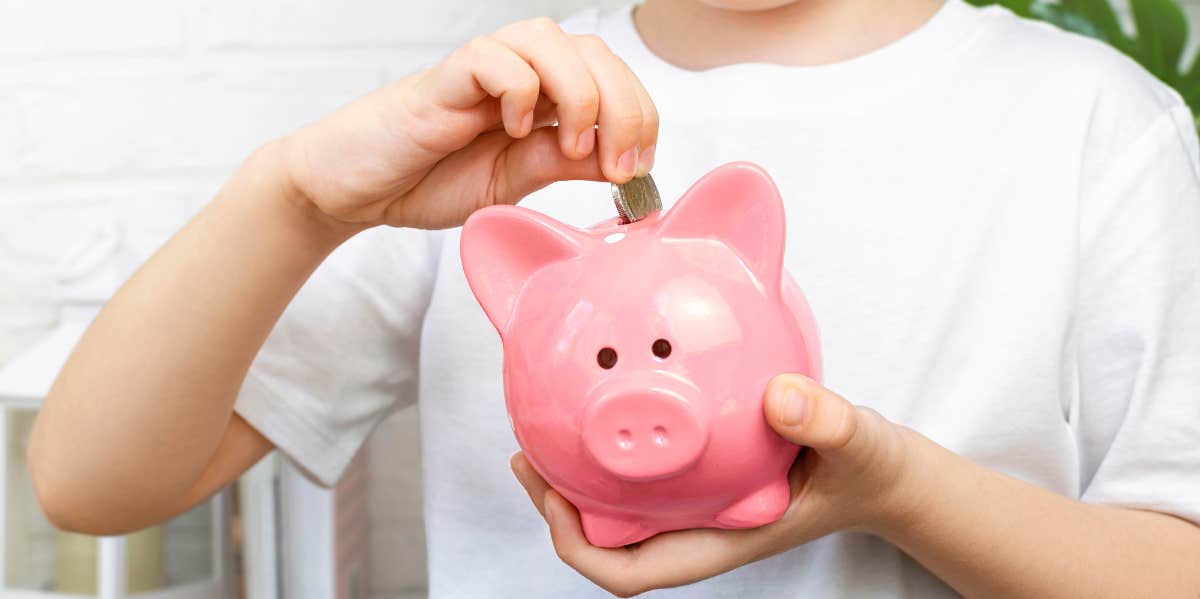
{"points": [[661, 348], [607, 358]]}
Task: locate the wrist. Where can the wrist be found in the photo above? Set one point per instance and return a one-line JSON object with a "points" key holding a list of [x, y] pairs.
{"points": [[905, 499], [268, 170]]}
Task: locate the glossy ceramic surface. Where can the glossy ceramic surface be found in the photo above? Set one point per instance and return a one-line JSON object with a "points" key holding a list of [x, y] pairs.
{"points": [[636, 355]]}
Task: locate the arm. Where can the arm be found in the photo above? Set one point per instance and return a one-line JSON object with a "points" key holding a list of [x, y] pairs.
{"points": [[983, 533], [1138, 341], [139, 425], [990, 535]]}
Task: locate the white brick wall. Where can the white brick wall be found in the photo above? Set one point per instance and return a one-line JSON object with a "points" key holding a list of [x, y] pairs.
{"points": [[136, 110]]}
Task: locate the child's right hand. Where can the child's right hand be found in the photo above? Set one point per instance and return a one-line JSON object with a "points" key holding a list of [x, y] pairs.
{"points": [[473, 131], [139, 426]]}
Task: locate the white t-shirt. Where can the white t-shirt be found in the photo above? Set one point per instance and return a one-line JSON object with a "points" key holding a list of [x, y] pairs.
{"points": [[997, 225]]}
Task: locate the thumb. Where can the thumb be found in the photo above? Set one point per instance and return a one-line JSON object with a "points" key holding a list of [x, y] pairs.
{"points": [[806, 413], [535, 161], [492, 169]]}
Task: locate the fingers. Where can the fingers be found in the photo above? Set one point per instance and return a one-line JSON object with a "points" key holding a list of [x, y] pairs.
{"points": [[482, 68], [806, 413], [504, 75], [535, 162], [649, 139], [565, 79], [543, 115], [597, 101], [533, 482], [627, 118], [666, 560], [494, 169], [608, 568]]}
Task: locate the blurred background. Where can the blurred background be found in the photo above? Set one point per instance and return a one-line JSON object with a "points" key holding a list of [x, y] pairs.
{"points": [[118, 120]]}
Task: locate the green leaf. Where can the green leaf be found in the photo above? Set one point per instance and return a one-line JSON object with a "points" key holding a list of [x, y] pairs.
{"points": [[1161, 35], [1066, 19], [1104, 20], [1162, 31], [1020, 7], [1189, 88]]}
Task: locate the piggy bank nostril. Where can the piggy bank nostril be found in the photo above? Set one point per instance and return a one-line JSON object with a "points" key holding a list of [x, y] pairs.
{"points": [[625, 439], [660, 436]]}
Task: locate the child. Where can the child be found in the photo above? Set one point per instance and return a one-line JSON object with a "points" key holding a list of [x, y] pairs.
{"points": [[995, 223]]}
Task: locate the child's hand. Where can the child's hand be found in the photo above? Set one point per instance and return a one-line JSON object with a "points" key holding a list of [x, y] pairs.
{"points": [[846, 478], [474, 130]]}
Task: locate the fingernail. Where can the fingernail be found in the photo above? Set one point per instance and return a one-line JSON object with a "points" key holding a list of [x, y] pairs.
{"points": [[527, 123], [795, 407], [646, 160], [586, 141], [627, 162]]}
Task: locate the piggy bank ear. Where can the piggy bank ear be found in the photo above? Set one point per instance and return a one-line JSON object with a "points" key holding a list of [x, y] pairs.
{"points": [[502, 247], [736, 203]]}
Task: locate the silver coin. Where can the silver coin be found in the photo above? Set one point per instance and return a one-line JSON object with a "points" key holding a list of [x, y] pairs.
{"points": [[636, 199]]}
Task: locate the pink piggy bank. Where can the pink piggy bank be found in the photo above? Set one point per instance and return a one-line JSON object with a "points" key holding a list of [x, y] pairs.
{"points": [[636, 355]]}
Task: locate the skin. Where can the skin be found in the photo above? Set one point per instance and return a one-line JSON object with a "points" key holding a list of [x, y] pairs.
{"points": [[139, 425], [699, 35], [860, 472]]}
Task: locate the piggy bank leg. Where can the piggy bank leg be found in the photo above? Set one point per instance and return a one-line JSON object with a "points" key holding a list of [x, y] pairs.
{"points": [[604, 530], [763, 506]]}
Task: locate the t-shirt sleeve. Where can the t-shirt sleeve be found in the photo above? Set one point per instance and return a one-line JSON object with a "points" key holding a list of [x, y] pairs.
{"points": [[345, 352], [1137, 416]]}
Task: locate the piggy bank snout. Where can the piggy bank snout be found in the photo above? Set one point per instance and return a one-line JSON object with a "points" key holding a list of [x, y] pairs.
{"points": [[644, 435]]}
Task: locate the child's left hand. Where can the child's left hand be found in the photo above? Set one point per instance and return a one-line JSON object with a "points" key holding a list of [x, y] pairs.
{"points": [[846, 478]]}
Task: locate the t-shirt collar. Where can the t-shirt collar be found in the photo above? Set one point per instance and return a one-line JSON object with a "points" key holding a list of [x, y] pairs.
{"points": [[768, 87]]}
